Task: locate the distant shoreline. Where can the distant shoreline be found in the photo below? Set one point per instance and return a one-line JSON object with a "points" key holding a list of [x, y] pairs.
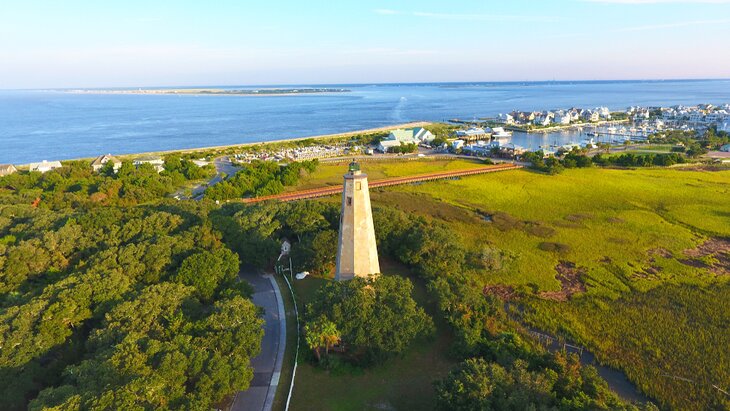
{"points": [[213, 91]]}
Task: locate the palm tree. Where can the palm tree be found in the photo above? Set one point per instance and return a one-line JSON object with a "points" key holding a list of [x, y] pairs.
{"points": [[321, 333]]}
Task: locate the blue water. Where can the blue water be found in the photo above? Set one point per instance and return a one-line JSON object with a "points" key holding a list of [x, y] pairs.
{"points": [[37, 125]]}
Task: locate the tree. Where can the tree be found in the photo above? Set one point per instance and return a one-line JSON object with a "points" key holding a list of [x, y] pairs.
{"points": [[206, 271], [376, 316], [321, 333]]}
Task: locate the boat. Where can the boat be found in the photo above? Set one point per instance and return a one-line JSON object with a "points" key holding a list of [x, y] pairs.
{"points": [[499, 132]]}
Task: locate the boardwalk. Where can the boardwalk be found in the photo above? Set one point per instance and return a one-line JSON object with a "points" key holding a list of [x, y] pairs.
{"points": [[332, 190]]}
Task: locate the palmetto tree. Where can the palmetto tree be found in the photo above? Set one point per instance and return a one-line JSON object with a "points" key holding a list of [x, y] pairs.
{"points": [[321, 333]]}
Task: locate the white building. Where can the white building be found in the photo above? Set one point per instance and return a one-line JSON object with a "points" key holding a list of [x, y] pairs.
{"points": [[45, 166], [405, 136], [562, 117], [505, 118], [157, 162]]}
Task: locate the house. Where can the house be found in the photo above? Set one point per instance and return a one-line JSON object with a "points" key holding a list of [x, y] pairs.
{"points": [[7, 169], [44, 166], [101, 161], [157, 162], [505, 119], [562, 117], [457, 144], [590, 115], [725, 148], [405, 136], [543, 119], [724, 127], [604, 113], [473, 133]]}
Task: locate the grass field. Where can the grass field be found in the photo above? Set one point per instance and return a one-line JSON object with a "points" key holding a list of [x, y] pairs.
{"points": [[624, 227], [328, 174], [404, 383]]}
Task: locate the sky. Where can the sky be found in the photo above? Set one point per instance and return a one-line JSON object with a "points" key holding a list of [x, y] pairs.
{"points": [[147, 43]]}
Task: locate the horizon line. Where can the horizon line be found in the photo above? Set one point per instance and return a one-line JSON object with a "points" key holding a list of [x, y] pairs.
{"points": [[193, 86]]}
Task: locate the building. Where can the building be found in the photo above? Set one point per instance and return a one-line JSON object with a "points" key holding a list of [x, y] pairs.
{"points": [[472, 134], [7, 169], [156, 162], [724, 127], [405, 136], [562, 118], [44, 166], [505, 119], [725, 148], [357, 253], [101, 161]]}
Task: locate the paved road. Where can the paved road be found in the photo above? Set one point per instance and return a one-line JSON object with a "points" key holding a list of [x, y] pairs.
{"points": [[223, 165], [267, 365]]}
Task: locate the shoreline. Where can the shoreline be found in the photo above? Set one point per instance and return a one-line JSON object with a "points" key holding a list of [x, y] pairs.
{"points": [[274, 92], [243, 145]]}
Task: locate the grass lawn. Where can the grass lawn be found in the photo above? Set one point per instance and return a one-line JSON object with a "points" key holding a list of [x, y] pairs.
{"points": [[403, 383], [329, 174]]}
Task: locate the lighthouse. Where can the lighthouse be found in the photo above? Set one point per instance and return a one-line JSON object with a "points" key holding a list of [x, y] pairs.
{"points": [[357, 253]]}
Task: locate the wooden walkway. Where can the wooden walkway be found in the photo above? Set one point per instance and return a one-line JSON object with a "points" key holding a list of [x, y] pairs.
{"points": [[328, 191]]}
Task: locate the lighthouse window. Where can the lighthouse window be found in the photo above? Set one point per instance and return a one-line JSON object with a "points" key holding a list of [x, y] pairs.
{"points": [[358, 187], [349, 201]]}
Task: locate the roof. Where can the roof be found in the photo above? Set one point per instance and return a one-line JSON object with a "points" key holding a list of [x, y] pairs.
{"points": [[471, 132], [45, 164], [6, 169], [104, 158]]}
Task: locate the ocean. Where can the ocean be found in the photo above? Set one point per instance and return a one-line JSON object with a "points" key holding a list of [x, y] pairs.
{"points": [[56, 125]]}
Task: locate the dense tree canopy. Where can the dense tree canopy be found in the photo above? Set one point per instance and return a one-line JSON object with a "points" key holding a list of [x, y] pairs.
{"points": [[375, 316], [99, 305]]}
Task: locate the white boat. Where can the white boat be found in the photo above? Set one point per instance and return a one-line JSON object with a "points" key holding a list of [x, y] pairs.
{"points": [[500, 132]]}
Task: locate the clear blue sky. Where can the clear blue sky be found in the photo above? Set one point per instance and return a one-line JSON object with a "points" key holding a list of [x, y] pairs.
{"points": [[84, 43]]}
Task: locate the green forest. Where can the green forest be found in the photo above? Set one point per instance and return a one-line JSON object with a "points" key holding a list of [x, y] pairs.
{"points": [[114, 295]]}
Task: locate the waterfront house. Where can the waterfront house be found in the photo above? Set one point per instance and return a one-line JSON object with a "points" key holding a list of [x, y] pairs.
{"points": [[562, 117], [604, 113], [400, 136], [102, 160], [157, 162], [44, 166], [505, 119], [543, 119], [7, 169], [471, 134]]}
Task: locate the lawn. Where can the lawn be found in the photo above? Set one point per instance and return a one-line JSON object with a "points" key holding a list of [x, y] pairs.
{"points": [[329, 174], [404, 383]]}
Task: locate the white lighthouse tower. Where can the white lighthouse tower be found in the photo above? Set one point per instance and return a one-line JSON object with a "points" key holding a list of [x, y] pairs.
{"points": [[357, 254]]}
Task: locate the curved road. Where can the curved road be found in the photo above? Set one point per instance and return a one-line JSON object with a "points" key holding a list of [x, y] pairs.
{"points": [[267, 365]]}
